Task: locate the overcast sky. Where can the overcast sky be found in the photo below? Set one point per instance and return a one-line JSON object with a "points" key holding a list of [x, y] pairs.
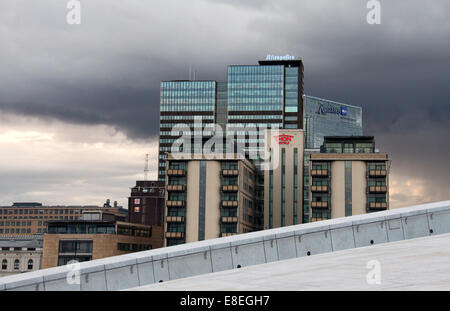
{"points": [[79, 103]]}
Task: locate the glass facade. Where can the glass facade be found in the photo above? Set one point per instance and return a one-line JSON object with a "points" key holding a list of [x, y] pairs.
{"points": [[255, 88], [291, 87], [188, 96], [328, 118]]}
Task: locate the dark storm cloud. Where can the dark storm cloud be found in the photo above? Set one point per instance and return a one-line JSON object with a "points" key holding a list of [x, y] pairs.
{"points": [[108, 69]]}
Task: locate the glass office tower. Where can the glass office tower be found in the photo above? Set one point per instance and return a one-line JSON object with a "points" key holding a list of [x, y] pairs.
{"points": [[184, 102], [329, 118]]}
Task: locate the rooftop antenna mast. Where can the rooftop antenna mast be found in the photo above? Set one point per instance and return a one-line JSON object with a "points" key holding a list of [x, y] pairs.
{"points": [[146, 167]]}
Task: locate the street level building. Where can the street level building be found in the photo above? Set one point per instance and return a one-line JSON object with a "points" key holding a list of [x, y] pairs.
{"points": [[20, 253]]}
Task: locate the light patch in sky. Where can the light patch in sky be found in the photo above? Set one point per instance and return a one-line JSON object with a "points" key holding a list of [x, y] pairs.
{"points": [[59, 163]]}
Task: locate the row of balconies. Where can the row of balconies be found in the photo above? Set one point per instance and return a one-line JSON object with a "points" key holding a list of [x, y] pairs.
{"points": [[377, 173], [176, 203], [183, 203], [177, 219], [175, 235], [378, 205], [319, 188], [176, 172], [229, 203], [230, 188], [319, 172], [230, 172], [319, 204], [377, 189], [174, 188], [228, 220]]}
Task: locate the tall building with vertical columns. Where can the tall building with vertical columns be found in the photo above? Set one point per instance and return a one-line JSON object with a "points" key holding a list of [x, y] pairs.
{"points": [[208, 197], [348, 177], [283, 180]]}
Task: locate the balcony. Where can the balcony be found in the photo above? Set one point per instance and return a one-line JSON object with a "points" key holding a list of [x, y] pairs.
{"points": [[378, 205], [230, 188], [319, 173], [229, 203], [377, 173], [176, 203], [228, 220], [174, 235], [176, 188], [176, 172], [319, 204], [230, 172], [319, 188], [225, 234], [176, 219], [377, 189]]}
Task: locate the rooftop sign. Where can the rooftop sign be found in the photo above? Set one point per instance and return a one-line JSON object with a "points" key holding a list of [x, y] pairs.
{"points": [[332, 109], [276, 57], [284, 139]]}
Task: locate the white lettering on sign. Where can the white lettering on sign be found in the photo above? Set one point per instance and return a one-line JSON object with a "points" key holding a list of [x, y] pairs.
{"points": [[276, 57]]}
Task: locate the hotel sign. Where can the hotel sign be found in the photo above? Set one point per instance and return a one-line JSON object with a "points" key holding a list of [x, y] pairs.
{"points": [[283, 139], [276, 57], [332, 109]]}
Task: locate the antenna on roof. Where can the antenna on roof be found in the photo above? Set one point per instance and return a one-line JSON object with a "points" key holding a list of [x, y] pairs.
{"points": [[146, 167], [190, 70]]}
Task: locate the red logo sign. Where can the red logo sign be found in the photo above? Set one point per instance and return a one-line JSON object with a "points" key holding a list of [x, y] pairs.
{"points": [[283, 139], [137, 201]]}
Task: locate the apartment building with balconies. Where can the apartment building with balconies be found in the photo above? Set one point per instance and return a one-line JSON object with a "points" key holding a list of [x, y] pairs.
{"points": [[347, 177], [208, 196]]}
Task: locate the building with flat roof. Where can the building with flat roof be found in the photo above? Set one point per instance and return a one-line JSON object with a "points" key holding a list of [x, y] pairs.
{"points": [[348, 177], [31, 218], [283, 180], [20, 253], [98, 234], [325, 117], [146, 203], [253, 98], [209, 197]]}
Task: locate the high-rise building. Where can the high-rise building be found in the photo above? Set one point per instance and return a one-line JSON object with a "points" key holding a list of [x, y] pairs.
{"points": [[348, 177], [255, 97], [184, 102], [146, 203], [324, 117], [284, 179], [208, 197]]}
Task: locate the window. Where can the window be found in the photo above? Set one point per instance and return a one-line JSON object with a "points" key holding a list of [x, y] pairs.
{"points": [[30, 264], [75, 246], [4, 264], [16, 264]]}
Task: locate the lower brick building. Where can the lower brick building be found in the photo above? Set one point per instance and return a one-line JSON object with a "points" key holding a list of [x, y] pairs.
{"points": [[97, 235]]}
